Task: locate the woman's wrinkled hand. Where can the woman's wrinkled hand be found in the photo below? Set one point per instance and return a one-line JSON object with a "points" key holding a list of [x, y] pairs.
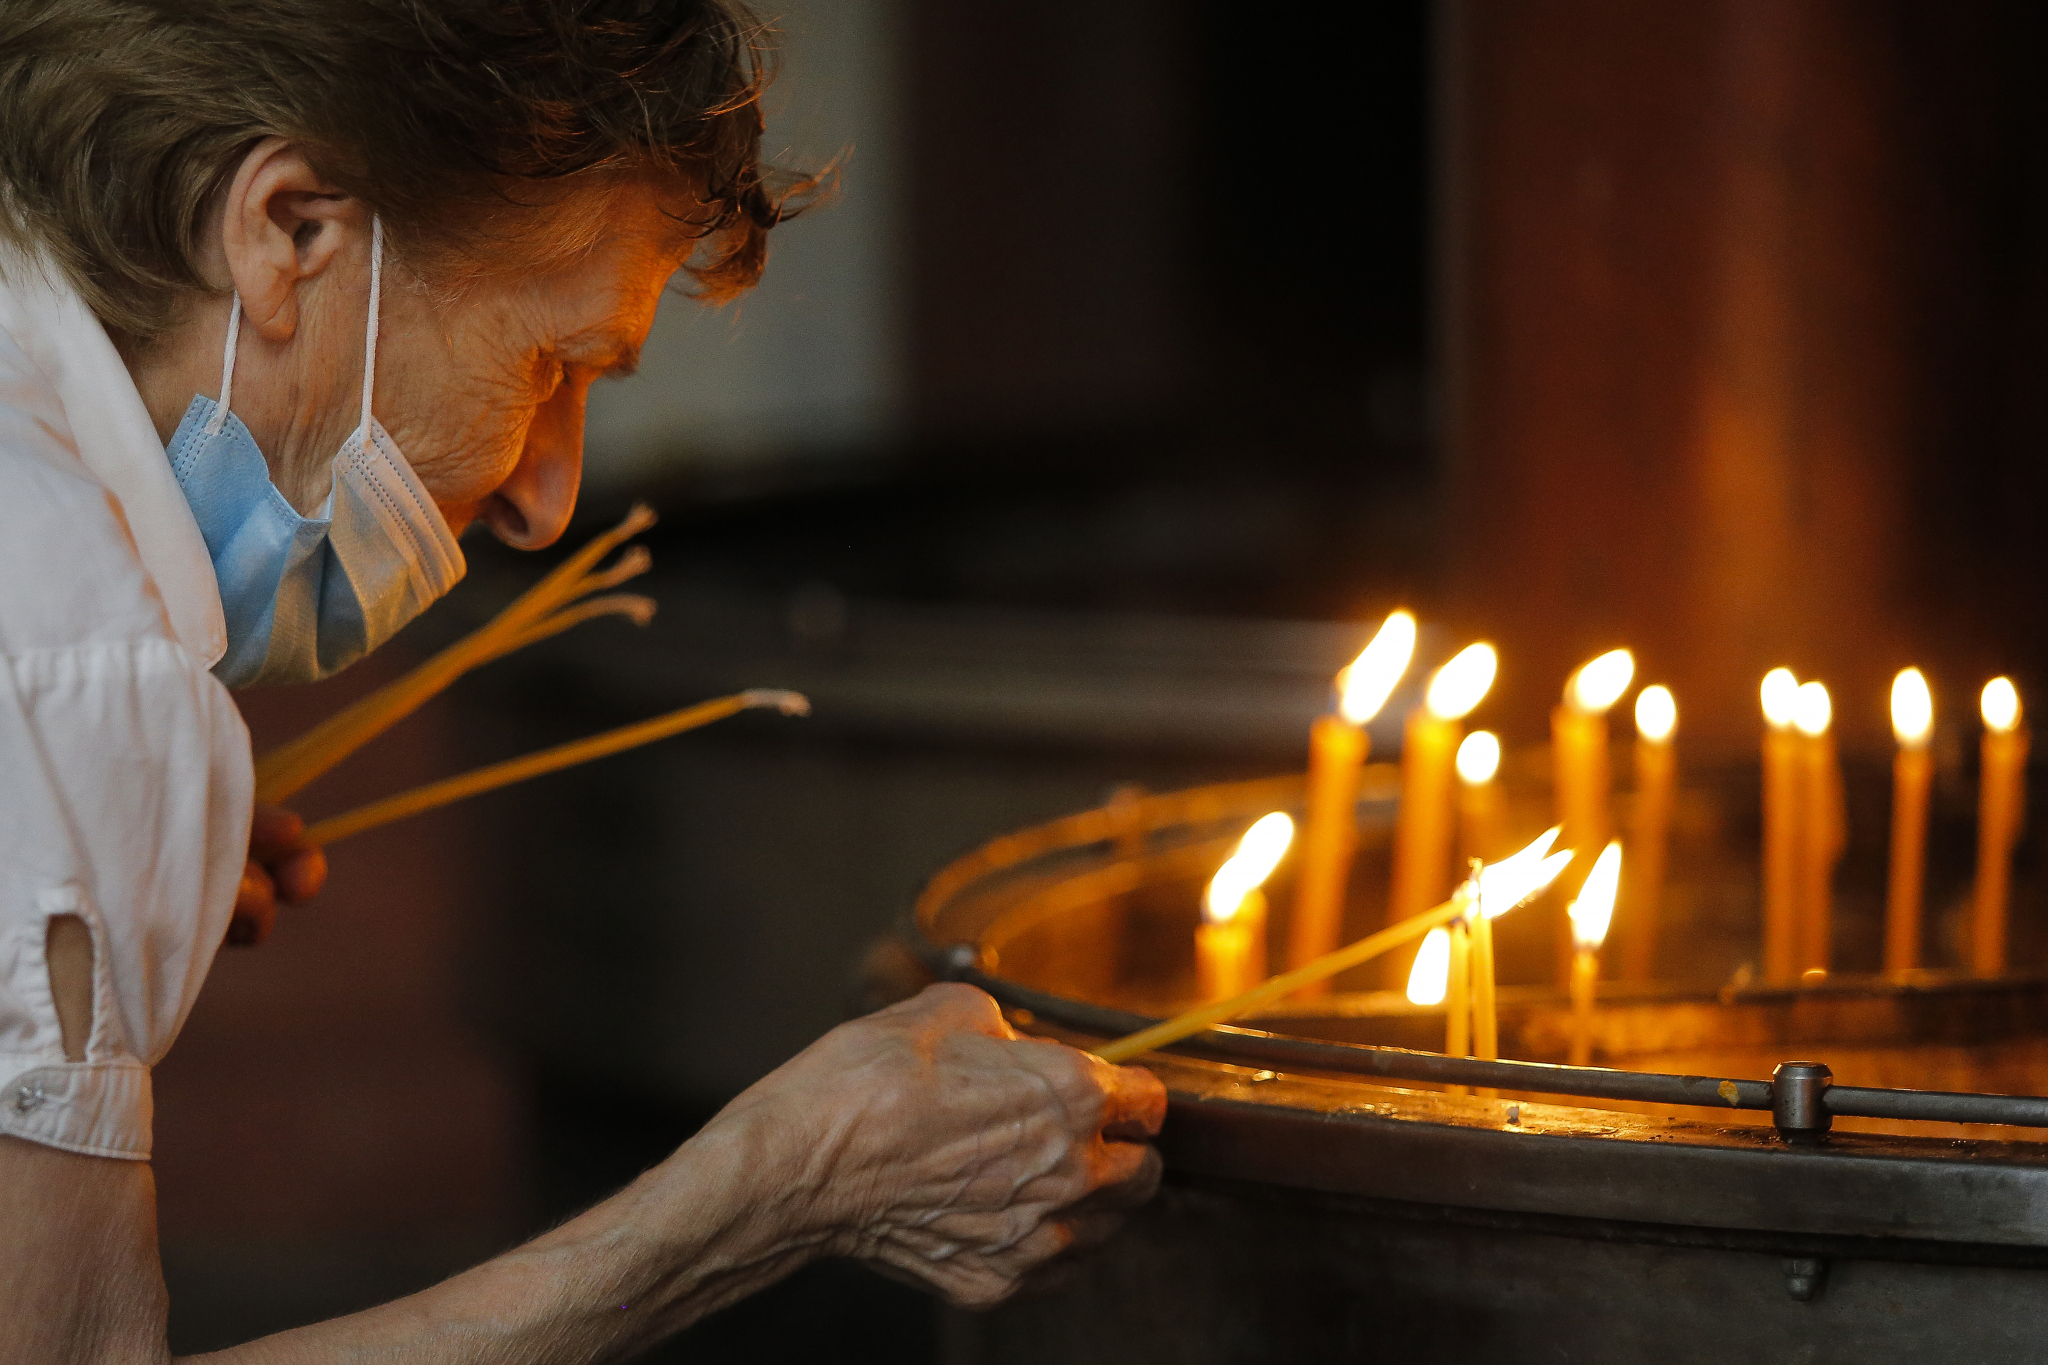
{"points": [[283, 869], [935, 1141]]}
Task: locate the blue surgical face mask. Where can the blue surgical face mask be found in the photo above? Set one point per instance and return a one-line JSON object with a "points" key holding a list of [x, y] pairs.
{"points": [[308, 596]]}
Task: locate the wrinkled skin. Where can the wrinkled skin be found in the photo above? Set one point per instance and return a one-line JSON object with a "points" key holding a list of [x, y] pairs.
{"points": [[1026, 1151], [927, 1139]]}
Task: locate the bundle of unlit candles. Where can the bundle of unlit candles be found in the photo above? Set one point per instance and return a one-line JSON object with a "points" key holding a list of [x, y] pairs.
{"points": [[575, 592]]}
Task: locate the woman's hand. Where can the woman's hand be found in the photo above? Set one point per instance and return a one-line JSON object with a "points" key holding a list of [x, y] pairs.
{"points": [[932, 1139], [283, 869]]}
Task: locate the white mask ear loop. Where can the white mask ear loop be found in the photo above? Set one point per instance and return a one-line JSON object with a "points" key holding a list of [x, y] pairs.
{"points": [[370, 340], [227, 369]]}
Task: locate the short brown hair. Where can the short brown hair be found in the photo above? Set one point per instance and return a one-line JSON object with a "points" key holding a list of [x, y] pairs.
{"points": [[122, 120]]}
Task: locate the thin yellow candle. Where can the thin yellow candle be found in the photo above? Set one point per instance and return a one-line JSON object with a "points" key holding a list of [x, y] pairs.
{"points": [[1912, 776], [1479, 812], [1821, 828], [1780, 694], [1590, 915], [1485, 1009], [1507, 883], [1429, 749], [1580, 769], [1656, 777], [1230, 942], [480, 780], [2001, 808], [1337, 751]]}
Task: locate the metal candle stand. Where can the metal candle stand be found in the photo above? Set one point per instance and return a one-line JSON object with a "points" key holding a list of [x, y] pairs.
{"points": [[1317, 1208]]}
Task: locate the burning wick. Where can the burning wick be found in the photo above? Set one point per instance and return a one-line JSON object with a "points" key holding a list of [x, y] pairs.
{"points": [[1780, 697], [1822, 829], [1581, 773], [1429, 749], [1656, 781], [1230, 943], [1912, 777], [1338, 746], [2001, 803], [1591, 914]]}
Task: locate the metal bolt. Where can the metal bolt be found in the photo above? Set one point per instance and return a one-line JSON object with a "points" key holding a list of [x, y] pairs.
{"points": [[1803, 1277], [1799, 1105]]}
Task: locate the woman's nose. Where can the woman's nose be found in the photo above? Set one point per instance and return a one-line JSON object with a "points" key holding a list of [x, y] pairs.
{"points": [[531, 509]]}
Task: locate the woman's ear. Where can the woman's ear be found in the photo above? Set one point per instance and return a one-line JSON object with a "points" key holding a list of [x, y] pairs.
{"points": [[280, 225]]}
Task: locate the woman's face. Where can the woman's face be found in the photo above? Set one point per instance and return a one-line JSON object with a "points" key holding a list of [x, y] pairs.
{"points": [[482, 386], [486, 397]]}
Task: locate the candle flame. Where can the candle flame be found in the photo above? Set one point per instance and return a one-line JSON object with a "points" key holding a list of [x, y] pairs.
{"points": [[1912, 708], [1478, 758], [1462, 683], [1812, 710], [1656, 713], [1599, 684], [1593, 911], [1257, 854], [1516, 878], [1429, 980], [2000, 705], [1781, 698], [1372, 675]]}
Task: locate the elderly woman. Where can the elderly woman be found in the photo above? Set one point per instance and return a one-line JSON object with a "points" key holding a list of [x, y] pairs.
{"points": [[292, 294]]}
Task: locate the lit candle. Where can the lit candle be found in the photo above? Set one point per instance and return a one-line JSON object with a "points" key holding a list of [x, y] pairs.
{"points": [[1912, 775], [1590, 914], [1429, 976], [1781, 828], [1580, 770], [1821, 827], [2001, 806], [1485, 1009], [1429, 750], [1656, 777], [1479, 815], [1458, 1003], [1230, 943], [1337, 750]]}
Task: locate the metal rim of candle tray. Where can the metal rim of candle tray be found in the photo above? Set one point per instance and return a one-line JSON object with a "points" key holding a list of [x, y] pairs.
{"points": [[1802, 1099]]}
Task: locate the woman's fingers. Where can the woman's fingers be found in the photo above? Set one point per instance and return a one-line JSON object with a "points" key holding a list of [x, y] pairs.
{"points": [[1135, 1103], [1126, 1174], [255, 910], [300, 876]]}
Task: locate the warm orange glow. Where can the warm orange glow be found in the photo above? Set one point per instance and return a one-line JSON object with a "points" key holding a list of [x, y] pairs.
{"points": [[1462, 683], [1258, 853], [1515, 879], [1429, 980], [1780, 697], [1376, 670], [1599, 684], [1812, 710], [1656, 713], [1912, 708], [1593, 911], [2000, 705], [1479, 758]]}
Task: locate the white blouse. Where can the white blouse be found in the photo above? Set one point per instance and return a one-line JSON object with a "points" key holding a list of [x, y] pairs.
{"points": [[125, 779]]}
